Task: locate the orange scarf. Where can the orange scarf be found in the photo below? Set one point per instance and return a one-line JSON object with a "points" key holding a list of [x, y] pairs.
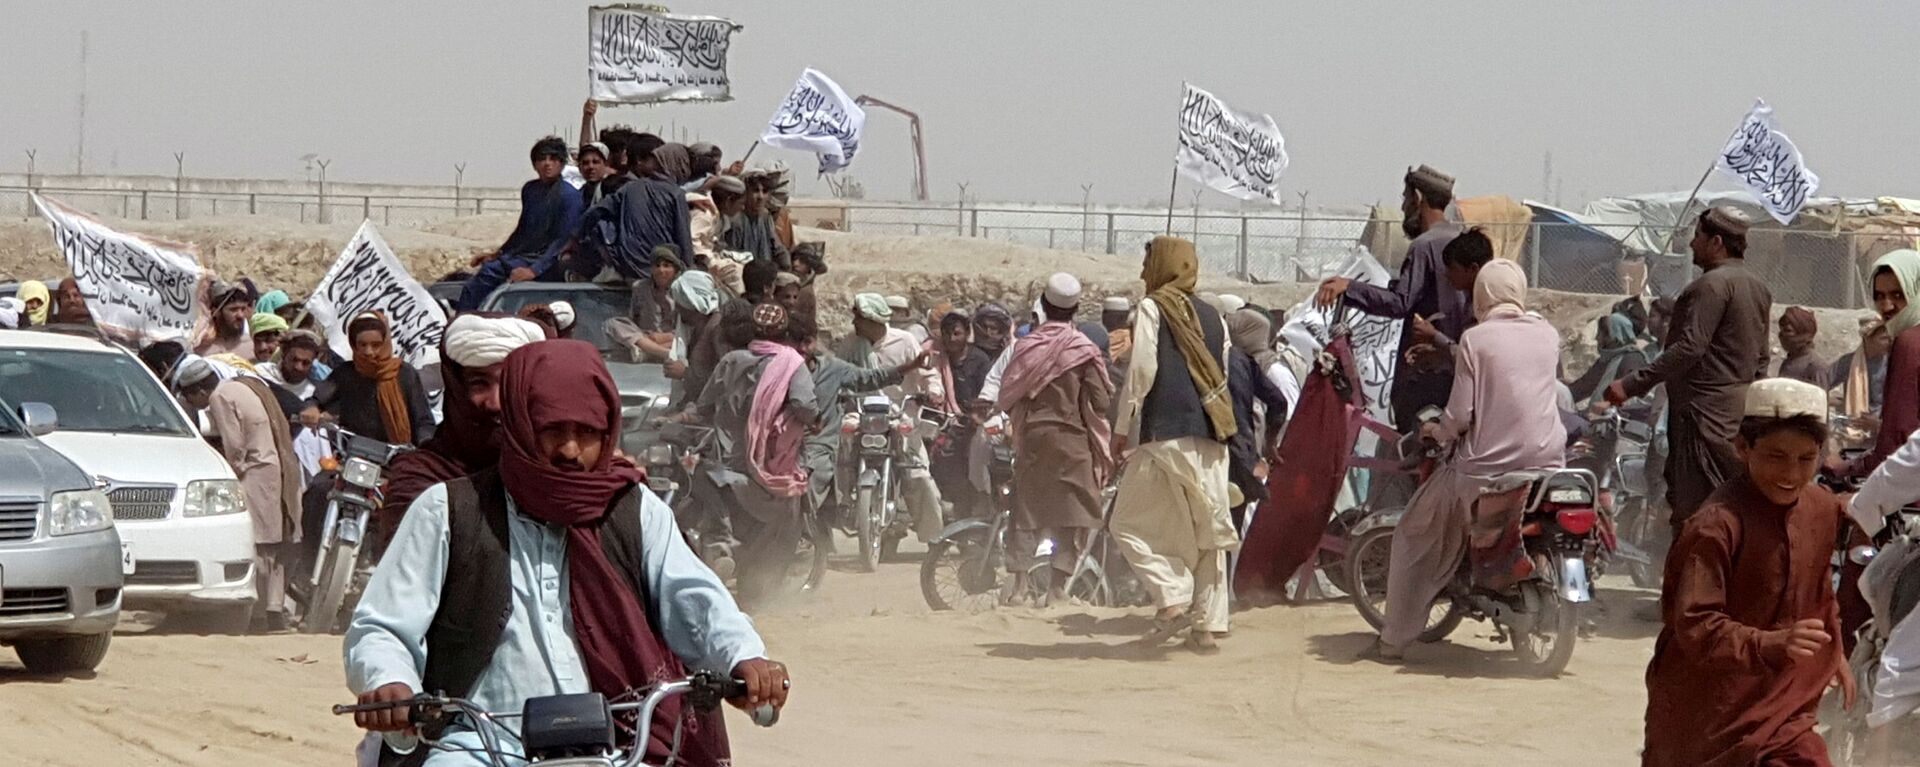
{"points": [[385, 372]]}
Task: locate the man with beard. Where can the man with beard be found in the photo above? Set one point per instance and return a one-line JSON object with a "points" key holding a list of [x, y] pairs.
{"points": [[294, 370], [1056, 393], [1434, 311], [232, 311], [255, 440], [468, 440], [1716, 346], [556, 572], [70, 305]]}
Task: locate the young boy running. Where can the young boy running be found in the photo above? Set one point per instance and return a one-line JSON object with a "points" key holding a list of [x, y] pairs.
{"points": [[1751, 637]]}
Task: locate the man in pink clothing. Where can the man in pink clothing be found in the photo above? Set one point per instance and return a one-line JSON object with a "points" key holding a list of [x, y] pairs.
{"points": [[1502, 416]]}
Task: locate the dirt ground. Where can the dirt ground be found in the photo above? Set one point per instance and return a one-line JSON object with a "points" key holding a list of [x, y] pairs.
{"points": [[880, 679]]}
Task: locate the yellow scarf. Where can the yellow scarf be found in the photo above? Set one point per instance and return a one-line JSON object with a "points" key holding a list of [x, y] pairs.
{"points": [[1171, 273]]}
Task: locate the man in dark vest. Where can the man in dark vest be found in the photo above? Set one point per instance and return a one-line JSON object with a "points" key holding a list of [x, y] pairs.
{"points": [[1170, 517], [556, 572]]}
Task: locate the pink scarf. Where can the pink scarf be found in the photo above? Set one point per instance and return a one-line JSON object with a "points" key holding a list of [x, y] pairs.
{"points": [[773, 437], [946, 374], [1050, 351]]}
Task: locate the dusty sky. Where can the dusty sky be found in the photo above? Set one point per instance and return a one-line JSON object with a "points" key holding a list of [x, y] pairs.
{"points": [[1023, 100]]}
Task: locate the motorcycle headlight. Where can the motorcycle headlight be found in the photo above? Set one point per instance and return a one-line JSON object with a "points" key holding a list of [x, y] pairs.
{"points": [[79, 511], [361, 472], [210, 497], [875, 424]]}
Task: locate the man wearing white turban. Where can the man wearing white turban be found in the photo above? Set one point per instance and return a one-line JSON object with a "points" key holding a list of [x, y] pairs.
{"points": [[471, 351]]}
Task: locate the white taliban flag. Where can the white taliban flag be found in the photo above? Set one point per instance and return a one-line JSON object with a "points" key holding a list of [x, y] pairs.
{"points": [[1237, 153], [818, 117]]}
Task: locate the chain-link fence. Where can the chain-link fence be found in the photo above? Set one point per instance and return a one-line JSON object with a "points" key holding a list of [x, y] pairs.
{"points": [[1807, 266], [318, 207], [1802, 266]]}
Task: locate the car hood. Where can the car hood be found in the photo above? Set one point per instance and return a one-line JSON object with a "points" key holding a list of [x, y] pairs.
{"points": [[141, 458], [35, 469], [647, 380]]}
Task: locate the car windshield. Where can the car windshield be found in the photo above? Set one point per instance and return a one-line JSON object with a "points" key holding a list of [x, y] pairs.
{"points": [[591, 310], [90, 391]]}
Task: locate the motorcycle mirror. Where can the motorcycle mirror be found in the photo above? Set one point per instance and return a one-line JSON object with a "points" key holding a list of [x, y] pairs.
{"points": [[1862, 555]]}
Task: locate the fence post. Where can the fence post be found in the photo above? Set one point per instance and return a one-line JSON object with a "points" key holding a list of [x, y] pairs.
{"points": [[480, 206], [143, 205], [973, 226], [366, 208], [253, 204], [1050, 231], [1110, 235], [1244, 275], [216, 206], [386, 215], [1533, 255]]}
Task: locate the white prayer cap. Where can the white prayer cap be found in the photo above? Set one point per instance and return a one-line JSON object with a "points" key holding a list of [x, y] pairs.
{"points": [[1211, 299], [899, 304], [562, 313], [1063, 291], [189, 370], [1230, 303], [474, 341], [1785, 398], [872, 306], [1116, 304]]}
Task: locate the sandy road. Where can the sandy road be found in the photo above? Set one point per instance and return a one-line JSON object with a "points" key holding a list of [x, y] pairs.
{"points": [[879, 679]]}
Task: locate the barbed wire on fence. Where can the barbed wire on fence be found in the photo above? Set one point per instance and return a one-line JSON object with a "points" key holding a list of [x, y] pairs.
{"points": [[1807, 267]]}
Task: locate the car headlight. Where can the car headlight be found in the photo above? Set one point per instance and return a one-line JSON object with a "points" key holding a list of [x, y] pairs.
{"points": [[79, 511], [208, 497]]}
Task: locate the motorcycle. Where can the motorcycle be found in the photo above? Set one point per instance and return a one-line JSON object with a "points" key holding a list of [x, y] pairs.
{"points": [[675, 469], [342, 565], [1536, 605], [879, 430], [1616, 452], [575, 730], [1891, 584]]}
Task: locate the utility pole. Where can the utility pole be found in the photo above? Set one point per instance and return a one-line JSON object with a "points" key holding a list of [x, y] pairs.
{"points": [[179, 174], [1300, 237], [960, 223], [324, 218], [80, 144], [1086, 214], [459, 175], [31, 153]]}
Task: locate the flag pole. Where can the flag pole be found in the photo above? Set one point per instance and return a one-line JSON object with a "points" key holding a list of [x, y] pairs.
{"points": [[1173, 185], [1681, 220]]}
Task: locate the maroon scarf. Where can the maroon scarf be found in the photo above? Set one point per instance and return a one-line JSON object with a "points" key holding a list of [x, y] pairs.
{"points": [[564, 381], [464, 444]]}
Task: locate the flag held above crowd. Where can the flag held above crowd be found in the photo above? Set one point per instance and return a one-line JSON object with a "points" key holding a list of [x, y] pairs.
{"points": [[139, 290], [818, 117], [641, 56], [1237, 153], [367, 277], [1768, 164]]}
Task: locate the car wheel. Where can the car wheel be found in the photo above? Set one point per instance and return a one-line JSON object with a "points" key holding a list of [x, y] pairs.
{"points": [[64, 655]]}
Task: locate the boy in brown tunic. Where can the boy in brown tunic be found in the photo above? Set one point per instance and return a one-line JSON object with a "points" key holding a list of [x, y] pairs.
{"points": [[1752, 632]]}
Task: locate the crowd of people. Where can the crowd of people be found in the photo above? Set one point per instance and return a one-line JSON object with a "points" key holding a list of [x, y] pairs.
{"points": [[516, 504]]}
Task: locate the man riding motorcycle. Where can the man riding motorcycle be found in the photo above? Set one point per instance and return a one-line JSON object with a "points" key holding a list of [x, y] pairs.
{"points": [[1501, 417]]}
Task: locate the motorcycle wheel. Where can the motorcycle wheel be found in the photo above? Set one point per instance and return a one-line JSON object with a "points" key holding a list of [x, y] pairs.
{"points": [[962, 573], [1639, 531], [809, 564], [1546, 649], [330, 590], [867, 528], [1334, 564], [1368, 561]]}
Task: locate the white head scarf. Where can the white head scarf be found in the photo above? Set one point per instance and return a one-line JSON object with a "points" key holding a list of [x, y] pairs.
{"points": [[1501, 289], [10, 310], [474, 341]]}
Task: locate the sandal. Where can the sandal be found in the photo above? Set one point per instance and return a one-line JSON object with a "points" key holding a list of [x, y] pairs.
{"points": [[1167, 628]]}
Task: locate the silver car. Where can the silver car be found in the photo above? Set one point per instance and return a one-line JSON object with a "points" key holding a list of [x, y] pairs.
{"points": [[61, 564]]}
